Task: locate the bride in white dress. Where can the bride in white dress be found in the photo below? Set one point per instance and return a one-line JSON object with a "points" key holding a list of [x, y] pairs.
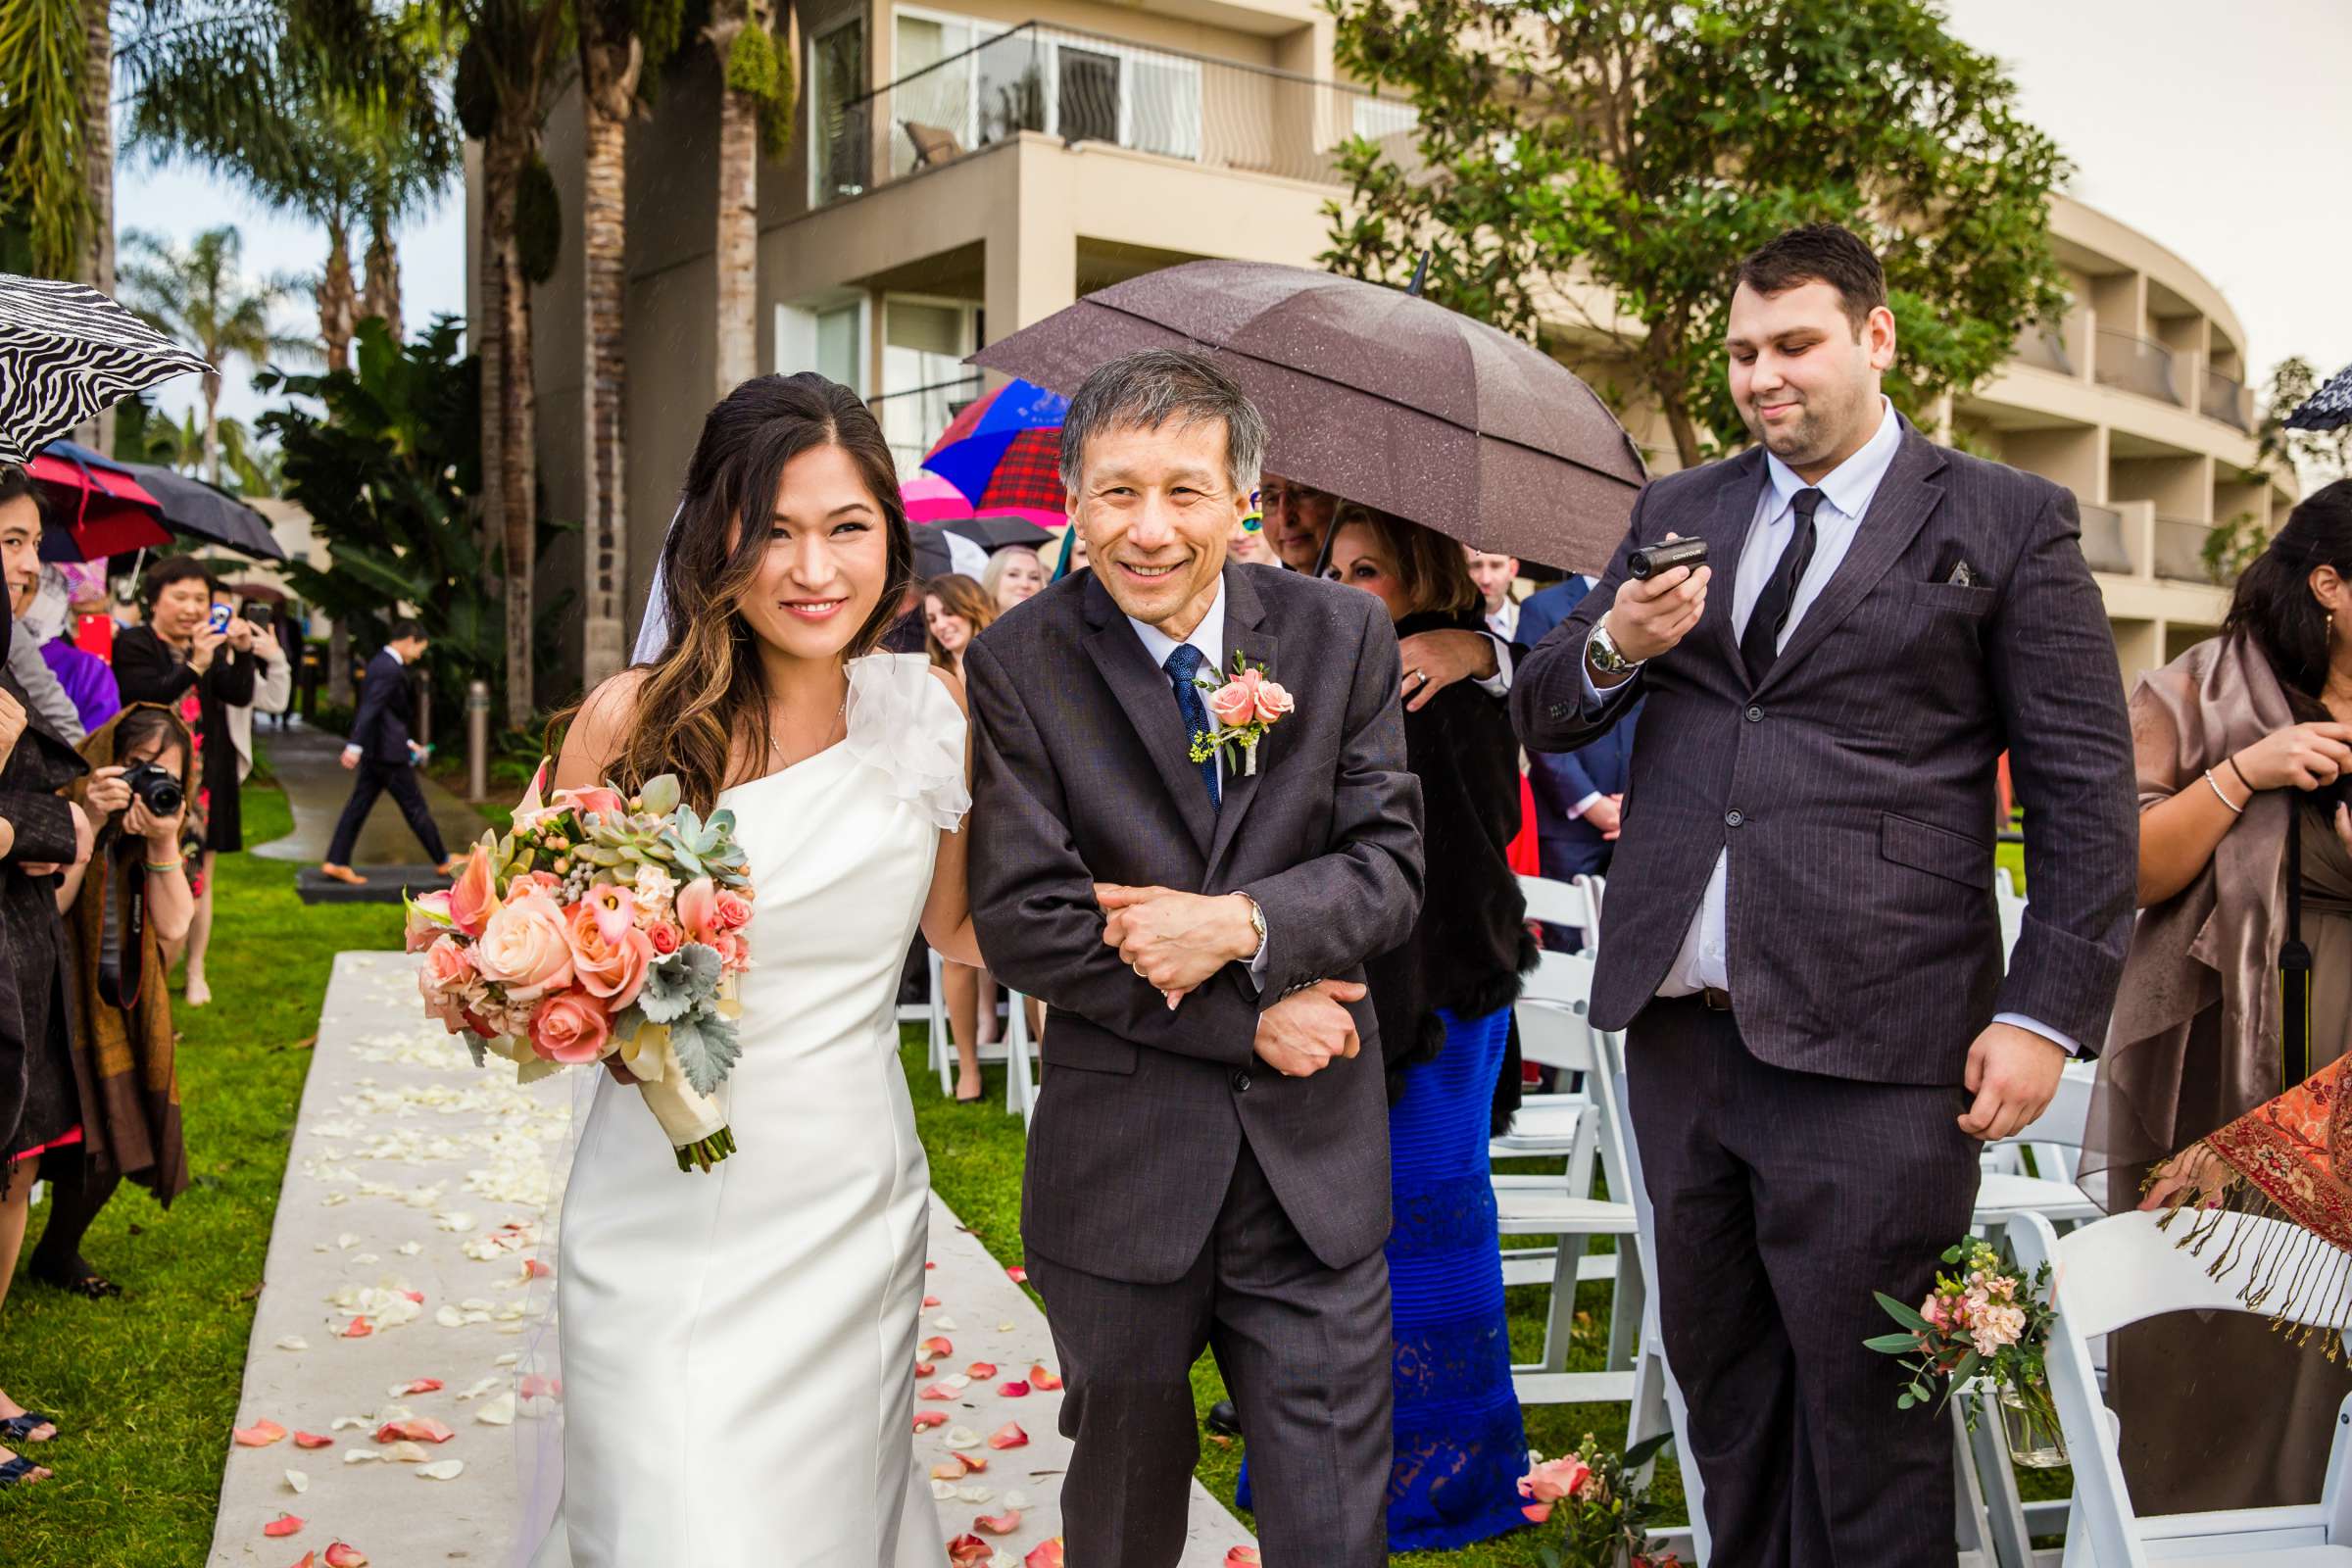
{"points": [[739, 1346]]}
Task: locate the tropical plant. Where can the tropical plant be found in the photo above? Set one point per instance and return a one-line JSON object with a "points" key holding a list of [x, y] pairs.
{"points": [[623, 45], [755, 115], [1607, 161], [515, 62], [387, 474], [56, 150], [198, 293], [143, 434]]}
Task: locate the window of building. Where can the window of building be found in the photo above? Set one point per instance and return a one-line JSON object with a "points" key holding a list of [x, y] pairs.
{"points": [[924, 378], [829, 339], [977, 82], [840, 127]]}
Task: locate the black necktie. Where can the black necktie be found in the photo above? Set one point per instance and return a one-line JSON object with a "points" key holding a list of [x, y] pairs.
{"points": [[1760, 645]]}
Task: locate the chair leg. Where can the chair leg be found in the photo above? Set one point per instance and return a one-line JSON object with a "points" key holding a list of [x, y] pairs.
{"points": [[2012, 1539], [1016, 1055], [1560, 1316], [943, 1052], [1628, 1301]]}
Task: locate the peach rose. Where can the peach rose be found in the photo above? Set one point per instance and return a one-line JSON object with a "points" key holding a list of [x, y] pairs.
{"points": [[427, 918], [1551, 1482], [1235, 701], [530, 882], [698, 911], [570, 1028], [1273, 700], [733, 908], [447, 968], [475, 893], [607, 965], [523, 949]]}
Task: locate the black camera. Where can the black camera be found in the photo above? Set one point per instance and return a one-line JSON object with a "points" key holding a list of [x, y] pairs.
{"points": [[1651, 560], [156, 789]]}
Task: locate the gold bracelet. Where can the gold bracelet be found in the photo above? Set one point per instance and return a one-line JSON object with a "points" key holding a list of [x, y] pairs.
{"points": [[158, 867], [2235, 809]]}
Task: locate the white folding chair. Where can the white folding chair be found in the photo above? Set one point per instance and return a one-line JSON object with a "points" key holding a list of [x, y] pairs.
{"points": [[2055, 1138], [1554, 1032], [1015, 1050], [1555, 1124], [2011, 904], [2124, 1270]]}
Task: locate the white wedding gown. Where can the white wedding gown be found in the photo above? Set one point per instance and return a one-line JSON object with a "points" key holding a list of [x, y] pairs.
{"points": [[738, 1346]]}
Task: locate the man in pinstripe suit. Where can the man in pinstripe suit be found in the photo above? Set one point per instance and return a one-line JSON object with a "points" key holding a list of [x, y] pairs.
{"points": [[1801, 940]]}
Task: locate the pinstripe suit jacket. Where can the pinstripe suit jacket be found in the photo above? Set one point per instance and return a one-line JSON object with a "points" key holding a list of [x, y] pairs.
{"points": [[1853, 788], [1081, 775]]}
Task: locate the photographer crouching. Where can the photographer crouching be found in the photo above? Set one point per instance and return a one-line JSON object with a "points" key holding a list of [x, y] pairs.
{"points": [[123, 907]]}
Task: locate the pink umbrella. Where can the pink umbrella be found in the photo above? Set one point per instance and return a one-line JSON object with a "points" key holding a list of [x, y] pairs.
{"points": [[931, 499]]}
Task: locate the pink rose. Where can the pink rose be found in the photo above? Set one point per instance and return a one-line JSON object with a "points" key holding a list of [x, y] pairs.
{"points": [[427, 918], [588, 799], [698, 911], [1554, 1480], [524, 949], [664, 936], [570, 1028], [611, 967], [1235, 701], [447, 968], [1273, 700], [530, 882], [733, 909], [475, 893]]}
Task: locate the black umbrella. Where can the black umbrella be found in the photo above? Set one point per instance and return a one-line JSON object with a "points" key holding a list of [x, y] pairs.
{"points": [[2328, 409], [66, 352], [1377, 396], [193, 506], [996, 534]]}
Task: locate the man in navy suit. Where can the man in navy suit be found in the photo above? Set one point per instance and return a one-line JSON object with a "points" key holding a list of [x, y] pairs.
{"points": [[1580, 795], [384, 756]]}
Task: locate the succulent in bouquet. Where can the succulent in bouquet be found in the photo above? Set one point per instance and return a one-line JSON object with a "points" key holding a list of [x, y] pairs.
{"points": [[1601, 1502], [602, 925]]}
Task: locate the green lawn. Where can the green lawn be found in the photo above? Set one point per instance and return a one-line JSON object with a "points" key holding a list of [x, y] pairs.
{"points": [[145, 1388]]}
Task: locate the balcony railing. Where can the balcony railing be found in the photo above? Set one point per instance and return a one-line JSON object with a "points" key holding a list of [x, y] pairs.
{"points": [[2227, 400], [1081, 88], [2044, 346], [2181, 548], [2103, 543], [2135, 364]]}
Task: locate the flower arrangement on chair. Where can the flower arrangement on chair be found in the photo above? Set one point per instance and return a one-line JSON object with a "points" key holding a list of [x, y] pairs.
{"points": [[1983, 1321], [1605, 1509]]}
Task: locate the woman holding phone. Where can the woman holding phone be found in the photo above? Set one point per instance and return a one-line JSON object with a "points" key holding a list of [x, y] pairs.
{"points": [[199, 662]]}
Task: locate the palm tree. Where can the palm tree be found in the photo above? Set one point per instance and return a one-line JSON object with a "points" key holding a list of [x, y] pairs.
{"points": [[199, 296], [621, 43], [754, 114]]}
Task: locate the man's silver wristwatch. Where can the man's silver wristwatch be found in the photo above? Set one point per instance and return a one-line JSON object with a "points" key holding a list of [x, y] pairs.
{"points": [[1603, 654], [1258, 923]]}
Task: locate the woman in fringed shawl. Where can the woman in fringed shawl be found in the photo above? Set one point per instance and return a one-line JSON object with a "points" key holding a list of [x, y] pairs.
{"points": [[131, 899], [2233, 738]]}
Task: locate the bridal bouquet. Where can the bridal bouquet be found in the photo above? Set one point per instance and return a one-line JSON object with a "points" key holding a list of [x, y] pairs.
{"points": [[1606, 1505], [1983, 1320], [600, 925]]}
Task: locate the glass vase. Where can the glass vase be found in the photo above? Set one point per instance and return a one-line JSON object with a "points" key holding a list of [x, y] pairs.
{"points": [[2031, 1425]]}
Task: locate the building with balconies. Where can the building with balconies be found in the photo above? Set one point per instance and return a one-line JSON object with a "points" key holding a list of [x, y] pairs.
{"points": [[959, 173]]}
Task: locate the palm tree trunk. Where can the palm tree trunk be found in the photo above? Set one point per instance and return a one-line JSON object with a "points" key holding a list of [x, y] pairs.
{"points": [[608, 71], [381, 295], [518, 412], [98, 153], [336, 303], [489, 342], [212, 428], [738, 257]]}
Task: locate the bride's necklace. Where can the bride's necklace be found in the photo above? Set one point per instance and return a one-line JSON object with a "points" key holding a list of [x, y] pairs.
{"points": [[775, 743]]}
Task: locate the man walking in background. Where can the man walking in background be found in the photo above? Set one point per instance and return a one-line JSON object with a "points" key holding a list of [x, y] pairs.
{"points": [[1801, 935], [384, 756]]}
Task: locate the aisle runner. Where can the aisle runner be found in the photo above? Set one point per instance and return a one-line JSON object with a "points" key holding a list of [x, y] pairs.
{"points": [[393, 1314]]}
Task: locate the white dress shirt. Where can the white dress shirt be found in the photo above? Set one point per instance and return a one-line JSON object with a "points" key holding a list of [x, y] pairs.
{"points": [[1210, 638], [1702, 963]]}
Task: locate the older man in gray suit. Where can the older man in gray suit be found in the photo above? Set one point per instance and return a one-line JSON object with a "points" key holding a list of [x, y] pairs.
{"points": [[1208, 1165], [1800, 931]]}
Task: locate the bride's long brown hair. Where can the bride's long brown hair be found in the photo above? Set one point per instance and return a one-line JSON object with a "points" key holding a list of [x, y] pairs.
{"points": [[707, 688]]}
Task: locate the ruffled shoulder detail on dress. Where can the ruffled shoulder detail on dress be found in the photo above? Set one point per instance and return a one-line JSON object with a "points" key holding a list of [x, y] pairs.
{"points": [[903, 724]]}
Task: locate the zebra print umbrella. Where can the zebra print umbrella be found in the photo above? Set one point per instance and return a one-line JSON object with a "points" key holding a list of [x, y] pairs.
{"points": [[2327, 409], [66, 352]]}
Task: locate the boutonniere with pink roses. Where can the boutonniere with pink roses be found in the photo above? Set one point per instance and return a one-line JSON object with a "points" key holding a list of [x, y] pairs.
{"points": [[1245, 704]]}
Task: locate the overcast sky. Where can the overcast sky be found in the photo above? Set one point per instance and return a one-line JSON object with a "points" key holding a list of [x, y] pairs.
{"points": [[2221, 130]]}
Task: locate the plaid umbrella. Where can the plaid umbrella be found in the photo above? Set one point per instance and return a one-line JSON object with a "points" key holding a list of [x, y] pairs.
{"points": [[2327, 409], [66, 352], [1004, 452]]}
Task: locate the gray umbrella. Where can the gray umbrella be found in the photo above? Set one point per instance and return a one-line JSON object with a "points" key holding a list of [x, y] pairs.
{"points": [[66, 352], [192, 507], [1377, 396]]}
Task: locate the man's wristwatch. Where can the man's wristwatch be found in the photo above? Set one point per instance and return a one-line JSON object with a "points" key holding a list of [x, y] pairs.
{"points": [[1601, 653], [1258, 923]]}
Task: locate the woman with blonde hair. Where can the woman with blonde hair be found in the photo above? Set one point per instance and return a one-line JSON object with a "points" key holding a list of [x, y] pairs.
{"points": [[1013, 573]]}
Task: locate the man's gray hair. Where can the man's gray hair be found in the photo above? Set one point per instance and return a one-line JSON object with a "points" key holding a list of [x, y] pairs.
{"points": [[1154, 386]]}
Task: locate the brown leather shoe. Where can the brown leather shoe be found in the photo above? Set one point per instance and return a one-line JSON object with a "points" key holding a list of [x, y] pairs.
{"points": [[343, 873]]}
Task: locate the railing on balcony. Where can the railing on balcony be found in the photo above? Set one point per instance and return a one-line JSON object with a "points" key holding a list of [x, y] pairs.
{"points": [[2135, 364], [2181, 548], [2103, 543], [1082, 87], [2045, 345], [2227, 400]]}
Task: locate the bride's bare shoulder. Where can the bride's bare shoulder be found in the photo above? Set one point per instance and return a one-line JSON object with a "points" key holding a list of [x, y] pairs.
{"points": [[599, 729], [955, 685]]}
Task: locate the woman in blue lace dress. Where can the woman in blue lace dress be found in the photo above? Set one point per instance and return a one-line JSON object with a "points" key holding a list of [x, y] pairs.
{"points": [[1443, 1002]]}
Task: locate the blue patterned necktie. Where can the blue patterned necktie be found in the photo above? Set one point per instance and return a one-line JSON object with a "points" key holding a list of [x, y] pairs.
{"points": [[1184, 668]]}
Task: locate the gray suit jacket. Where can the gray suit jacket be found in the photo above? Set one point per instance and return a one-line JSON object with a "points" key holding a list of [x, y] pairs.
{"points": [[1081, 775], [1855, 788]]}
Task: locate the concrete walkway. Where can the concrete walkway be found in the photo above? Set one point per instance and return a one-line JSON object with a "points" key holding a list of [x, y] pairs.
{"points": [[308, 765], [415, 1200]]}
